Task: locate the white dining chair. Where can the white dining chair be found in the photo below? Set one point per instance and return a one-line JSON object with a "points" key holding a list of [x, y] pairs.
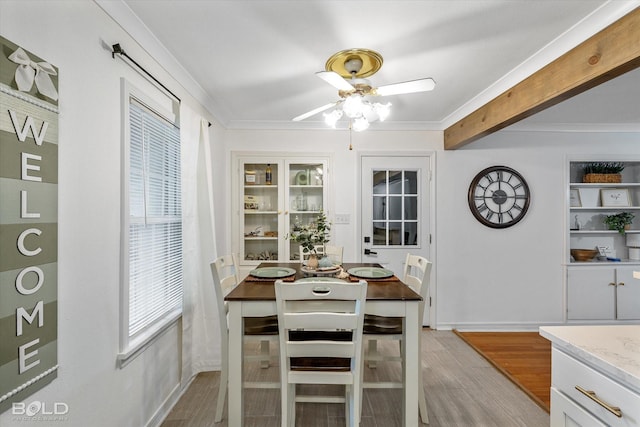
{"points": [[334, 253], [264, 329], [304, 253], [416, 274], [320, 327]]}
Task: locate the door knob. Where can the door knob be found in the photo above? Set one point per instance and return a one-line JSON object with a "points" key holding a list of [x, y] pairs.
{"points": [[370, 252]]}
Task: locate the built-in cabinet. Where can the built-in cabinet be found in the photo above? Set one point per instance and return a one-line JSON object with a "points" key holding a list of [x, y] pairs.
{"points": [[272, 195], [602, 289], [583, 397], [603, 293]]}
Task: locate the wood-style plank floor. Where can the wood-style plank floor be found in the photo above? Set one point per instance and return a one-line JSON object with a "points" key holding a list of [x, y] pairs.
{"points": [[462, 388], [524, 357]]}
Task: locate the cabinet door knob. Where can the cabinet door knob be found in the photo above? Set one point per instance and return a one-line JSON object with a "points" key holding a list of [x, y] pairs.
{"points": [[621, 284], [612, 284]]}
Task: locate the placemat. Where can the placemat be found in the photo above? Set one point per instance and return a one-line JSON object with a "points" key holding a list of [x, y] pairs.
{"points": [[251, 278]]}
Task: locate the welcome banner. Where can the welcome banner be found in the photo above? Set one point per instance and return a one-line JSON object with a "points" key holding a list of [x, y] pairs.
{"points": [[28, 225]]}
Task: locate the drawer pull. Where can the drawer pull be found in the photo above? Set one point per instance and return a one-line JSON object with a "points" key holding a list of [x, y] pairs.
{"points": [[593, 396]]}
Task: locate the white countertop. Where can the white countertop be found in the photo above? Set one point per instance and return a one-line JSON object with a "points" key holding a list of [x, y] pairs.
{"points": [[611, 349]]}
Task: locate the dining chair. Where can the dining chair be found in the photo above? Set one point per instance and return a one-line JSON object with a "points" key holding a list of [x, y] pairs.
{"points": [[304, 253], [264, 329], [320, 327], [334, 253], [416, 274]]}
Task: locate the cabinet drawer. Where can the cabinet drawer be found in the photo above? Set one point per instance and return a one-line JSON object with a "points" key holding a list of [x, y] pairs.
{"points": [[569, 373], [567, 413]]}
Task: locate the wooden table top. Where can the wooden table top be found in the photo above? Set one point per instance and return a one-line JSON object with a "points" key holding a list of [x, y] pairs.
{"points": [[390, 290]]}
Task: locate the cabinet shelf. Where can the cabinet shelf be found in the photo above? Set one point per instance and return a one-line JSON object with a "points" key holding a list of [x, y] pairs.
{"points": [[604, 208], [261, 186], [260, 238], [602, 232], [257, 212], [603, 185]]}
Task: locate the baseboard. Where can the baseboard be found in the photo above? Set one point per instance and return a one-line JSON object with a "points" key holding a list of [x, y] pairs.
{"points": [[168, 404], [495, 326]]}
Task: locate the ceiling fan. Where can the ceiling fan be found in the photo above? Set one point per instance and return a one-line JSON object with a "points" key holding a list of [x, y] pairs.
{"points": [[347, 71]]}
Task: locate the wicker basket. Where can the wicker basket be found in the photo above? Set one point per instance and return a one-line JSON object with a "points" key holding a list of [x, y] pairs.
{"points": [[602, 178]]}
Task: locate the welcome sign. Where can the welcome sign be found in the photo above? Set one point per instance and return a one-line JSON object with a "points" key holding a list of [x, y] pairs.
{"points": [[28, 224]]}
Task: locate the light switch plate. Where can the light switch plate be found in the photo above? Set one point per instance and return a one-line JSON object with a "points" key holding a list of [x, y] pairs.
{"points": [[343, 218]]}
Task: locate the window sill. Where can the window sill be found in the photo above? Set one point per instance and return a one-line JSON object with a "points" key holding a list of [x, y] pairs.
{"points": [[138, 345]]}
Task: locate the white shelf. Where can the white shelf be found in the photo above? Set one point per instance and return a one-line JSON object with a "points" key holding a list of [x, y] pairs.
{"points": [[603, 185], [604, 208], [602, 231], [260, 238]]}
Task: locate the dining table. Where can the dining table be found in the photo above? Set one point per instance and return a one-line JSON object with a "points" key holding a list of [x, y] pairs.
{"points": [[386, 296]]}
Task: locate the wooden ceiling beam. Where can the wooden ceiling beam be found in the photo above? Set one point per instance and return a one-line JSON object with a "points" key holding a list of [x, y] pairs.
{"points": [[604, 56]]}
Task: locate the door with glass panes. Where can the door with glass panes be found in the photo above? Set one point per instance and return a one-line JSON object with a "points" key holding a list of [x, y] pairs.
{"points": [[395, 210]]}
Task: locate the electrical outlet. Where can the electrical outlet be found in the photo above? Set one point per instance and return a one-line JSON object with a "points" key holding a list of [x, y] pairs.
{"points": [[343, 218]]}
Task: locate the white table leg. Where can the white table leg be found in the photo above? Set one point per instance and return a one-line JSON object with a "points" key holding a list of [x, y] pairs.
{"points": [[236, 357], [411, 360]]}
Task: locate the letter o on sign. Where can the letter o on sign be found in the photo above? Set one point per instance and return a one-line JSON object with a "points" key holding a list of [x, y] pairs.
{"points": [[20, 287]]}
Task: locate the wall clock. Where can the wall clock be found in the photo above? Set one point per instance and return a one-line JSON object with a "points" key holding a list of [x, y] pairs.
{"points": [[498, 197]]}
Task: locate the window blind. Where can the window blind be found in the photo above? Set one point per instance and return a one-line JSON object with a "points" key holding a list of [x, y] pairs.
{"points": [[155, 218]]}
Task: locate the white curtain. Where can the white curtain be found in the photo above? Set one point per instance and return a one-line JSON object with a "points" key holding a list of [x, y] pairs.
{"points": [[200, 329]]}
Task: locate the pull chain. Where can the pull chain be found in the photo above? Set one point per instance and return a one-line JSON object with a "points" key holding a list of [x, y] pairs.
{"points": [[350, 145]]}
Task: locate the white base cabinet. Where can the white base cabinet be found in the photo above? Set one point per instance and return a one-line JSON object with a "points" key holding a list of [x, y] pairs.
{"points": [[603, 293], [582, 396], [595, 375]]}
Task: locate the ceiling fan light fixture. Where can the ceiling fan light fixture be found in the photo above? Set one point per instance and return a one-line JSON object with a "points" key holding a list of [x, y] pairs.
{"points": [[382, 110], [360, 124], [354, 106], [332, 117]]}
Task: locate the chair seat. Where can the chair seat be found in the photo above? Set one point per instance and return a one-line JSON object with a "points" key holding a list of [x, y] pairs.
{"points": [[267, 325], [382, 325], [320, 364]]}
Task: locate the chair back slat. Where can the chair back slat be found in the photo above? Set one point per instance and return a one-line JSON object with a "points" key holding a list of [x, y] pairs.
{"points": [[320, 348]]}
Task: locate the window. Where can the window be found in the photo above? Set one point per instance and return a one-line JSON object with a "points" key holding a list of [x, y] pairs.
{"points": [[395, 207], [152, 225]]}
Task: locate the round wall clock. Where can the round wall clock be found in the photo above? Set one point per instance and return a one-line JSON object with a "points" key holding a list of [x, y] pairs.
{"points": [[498, 197]]}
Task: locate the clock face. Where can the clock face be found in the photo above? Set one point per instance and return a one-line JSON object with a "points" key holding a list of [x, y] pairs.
{"points": [[498, 197]]}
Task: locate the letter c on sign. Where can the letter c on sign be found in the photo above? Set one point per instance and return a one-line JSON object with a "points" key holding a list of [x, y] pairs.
{"points": [[24, 251]]}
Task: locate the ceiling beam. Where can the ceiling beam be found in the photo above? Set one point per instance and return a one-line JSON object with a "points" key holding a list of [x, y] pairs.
{"points": [[604, 56]]}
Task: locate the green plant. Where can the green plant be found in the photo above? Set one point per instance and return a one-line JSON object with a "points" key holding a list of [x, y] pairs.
{"points": [[603, 167], [312, 235], [618, 221]]}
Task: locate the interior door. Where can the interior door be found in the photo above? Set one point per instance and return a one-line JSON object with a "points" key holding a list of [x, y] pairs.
{"points": [[395, 210]]}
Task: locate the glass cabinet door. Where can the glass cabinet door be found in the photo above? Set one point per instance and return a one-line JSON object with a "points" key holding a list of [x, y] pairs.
{"points": [[260, 213], [306, 198]]}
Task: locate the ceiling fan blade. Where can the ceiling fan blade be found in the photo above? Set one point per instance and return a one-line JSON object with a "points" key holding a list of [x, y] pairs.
{"points": [[313, 112], [412, 86], [335, 80]]}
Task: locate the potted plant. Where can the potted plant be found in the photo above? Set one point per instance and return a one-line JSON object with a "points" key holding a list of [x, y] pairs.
{"points": [[620, 222], [603, 172], [312, 235]]}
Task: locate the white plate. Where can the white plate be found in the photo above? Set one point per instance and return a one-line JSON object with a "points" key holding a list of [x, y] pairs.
{"points": [[370, 272], [272, 272], [319, 279]]}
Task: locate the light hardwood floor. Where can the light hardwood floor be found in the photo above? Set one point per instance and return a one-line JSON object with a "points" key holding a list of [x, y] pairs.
{"points": [[462, 389]]}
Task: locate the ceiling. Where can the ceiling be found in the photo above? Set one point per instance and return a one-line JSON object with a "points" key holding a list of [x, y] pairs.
{"points": [[254, 61]]}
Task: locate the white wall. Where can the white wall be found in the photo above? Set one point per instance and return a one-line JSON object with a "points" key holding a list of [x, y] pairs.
{"points": [[510, 278], [486, 278], [70, 34]]}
